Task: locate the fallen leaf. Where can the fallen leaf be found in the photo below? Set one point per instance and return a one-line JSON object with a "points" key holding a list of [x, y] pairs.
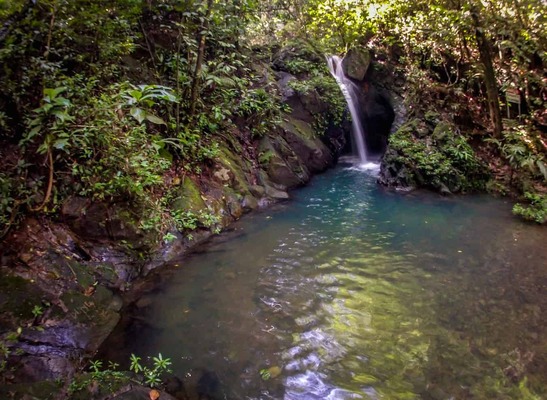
{"points": [[89, 291], [154, 394]]}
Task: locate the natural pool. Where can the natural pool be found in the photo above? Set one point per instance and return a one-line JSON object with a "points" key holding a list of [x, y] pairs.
{"points": [[351, 291]]}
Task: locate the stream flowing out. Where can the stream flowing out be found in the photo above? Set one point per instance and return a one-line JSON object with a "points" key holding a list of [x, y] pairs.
{"points": [[353, 292]]}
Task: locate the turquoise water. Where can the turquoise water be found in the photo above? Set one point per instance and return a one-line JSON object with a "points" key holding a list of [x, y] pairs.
{"points": [[350, 291]]}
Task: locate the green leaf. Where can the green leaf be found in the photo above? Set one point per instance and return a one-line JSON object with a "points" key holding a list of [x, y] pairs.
{"points": [[542, 168], [138, 113], [60, 144], [43, 148], [53, 93], [61, 101], [155, 120], [61, 115], [136, 94], [264, 374], [33, 132]]}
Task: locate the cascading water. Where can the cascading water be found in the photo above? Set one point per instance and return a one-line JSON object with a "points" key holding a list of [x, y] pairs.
{"points": [[349, 88]]}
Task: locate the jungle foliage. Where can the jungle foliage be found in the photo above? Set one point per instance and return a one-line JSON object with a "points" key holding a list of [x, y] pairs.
{"points": [[105, 99], [436, 157]]}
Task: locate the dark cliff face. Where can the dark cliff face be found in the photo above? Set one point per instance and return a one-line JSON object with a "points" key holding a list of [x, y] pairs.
{"points": [[377, 117]]}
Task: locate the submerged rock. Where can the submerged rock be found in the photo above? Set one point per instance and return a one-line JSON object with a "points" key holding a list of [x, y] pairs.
{"points": [[209, 386]]}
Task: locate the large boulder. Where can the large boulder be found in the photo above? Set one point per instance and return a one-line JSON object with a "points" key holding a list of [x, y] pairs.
{"points": [[431, 153], [101, 220], [356, 62], [311, 151], [280, 163]]}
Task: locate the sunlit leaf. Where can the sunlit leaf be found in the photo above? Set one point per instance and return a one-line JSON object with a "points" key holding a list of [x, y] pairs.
{"points": [[138, 113]]}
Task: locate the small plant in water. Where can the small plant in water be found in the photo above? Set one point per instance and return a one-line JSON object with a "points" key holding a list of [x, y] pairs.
{"points": [[102, 377], [270, 373], [37, 311], [152, 376], [265, 374]]}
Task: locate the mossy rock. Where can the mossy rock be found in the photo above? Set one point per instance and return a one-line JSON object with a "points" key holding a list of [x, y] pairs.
{"points": [[431, 157], [314, 155], [18, 297], [110, 382], [280, 167], [356, 63], [237, 168], [43, 390], [443, 131], [233, 202], [189, 197], [299, 127], [100, 220]]}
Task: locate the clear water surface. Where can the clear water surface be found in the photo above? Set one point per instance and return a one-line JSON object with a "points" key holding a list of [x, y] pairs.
{"points": [[350, 291]]}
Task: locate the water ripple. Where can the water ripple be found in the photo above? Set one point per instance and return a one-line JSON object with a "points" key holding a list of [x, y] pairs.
{"points": [[356, 293]]}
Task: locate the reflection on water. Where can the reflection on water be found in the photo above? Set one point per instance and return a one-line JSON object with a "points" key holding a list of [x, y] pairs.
{"points": [[357, 293]]}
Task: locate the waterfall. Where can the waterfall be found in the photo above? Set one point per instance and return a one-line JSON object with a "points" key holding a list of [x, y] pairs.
{"points": [[349, 90]]}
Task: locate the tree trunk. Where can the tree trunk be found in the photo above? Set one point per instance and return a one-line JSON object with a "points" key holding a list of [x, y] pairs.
{"points": [[202, 35], [485, 51]]}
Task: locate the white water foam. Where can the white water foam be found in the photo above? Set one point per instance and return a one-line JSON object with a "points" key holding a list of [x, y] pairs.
{"points": [[355, 164]]}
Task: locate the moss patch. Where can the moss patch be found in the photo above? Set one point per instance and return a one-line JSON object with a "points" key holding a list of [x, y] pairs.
{"points": [[18, 297], [236, 166], [437, 158], [189, 197]]}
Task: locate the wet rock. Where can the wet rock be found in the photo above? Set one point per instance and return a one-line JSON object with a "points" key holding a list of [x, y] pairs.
{"points": [[239, 169], [257, 191], [249, 203], [444, 190], [312, 102], [276, 194], [284, 78], [144, 301], [174, 386], [234, 207], [312, 152]]}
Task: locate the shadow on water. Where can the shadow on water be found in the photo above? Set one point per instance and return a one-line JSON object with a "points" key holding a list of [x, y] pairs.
{"points": [[350, 291]]}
